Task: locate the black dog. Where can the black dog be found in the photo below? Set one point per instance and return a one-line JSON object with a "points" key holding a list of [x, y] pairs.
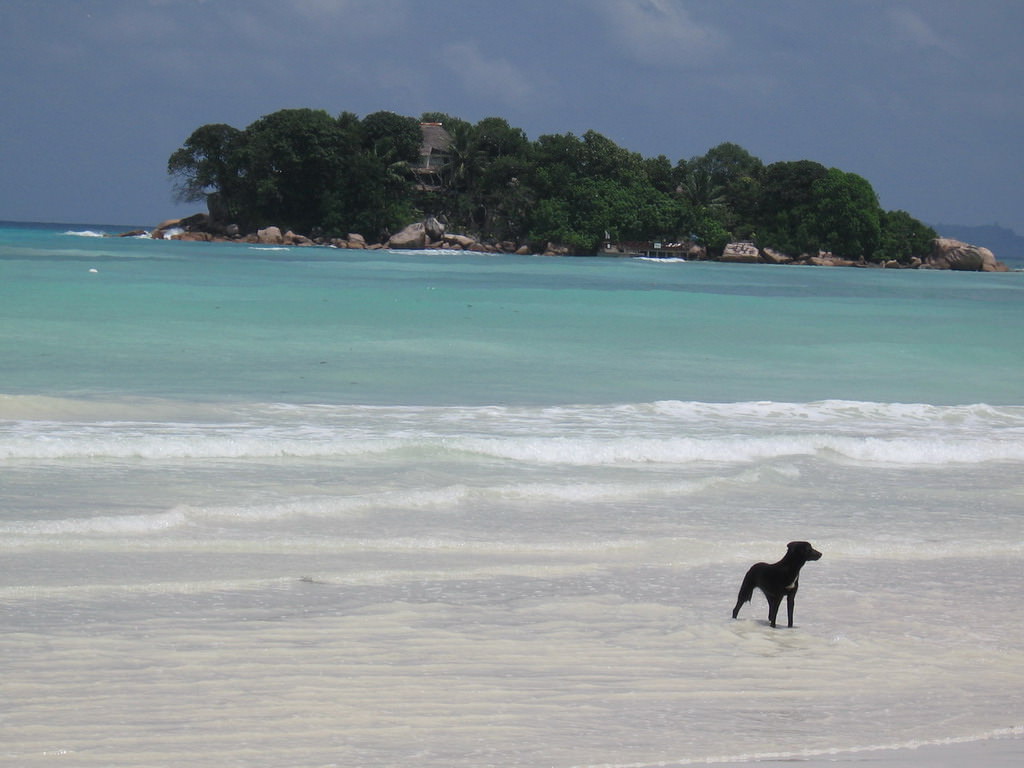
{"points": [[777, 580]]}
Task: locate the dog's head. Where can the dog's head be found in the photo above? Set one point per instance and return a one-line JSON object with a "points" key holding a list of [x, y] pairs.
{"points": [[804, 550]]}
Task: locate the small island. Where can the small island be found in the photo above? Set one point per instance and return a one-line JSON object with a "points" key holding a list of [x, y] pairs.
{"points": [[303, 177]]}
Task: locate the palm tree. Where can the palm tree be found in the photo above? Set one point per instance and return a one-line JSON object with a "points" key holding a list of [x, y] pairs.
{"points": [[464, 159], [703, 194]]}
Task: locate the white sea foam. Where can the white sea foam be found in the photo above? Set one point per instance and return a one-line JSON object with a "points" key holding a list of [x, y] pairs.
{"points": [[184, 442], [837, 414], [436, 252], [839, 756], [177, 444], [105, 525], [85, 233]]}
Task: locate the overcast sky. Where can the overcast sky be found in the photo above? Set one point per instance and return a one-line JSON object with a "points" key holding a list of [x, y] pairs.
{"points": [[921, 97]]}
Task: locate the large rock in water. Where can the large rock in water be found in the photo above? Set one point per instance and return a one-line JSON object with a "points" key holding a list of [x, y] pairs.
{"points": [[270, 236], [197, 222], [412, 237], [462, 241], [433, 228], [953, 254], [743, 253]]}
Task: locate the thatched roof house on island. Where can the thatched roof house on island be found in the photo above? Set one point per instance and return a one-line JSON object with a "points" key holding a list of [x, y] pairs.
{"points": [[434, 156]]}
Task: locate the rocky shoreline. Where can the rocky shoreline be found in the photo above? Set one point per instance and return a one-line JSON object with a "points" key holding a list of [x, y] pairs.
{"points": [[945, 254], [430, 234]]}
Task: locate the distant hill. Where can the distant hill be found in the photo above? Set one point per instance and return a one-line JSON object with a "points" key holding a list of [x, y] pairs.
{"points": [[1006, 244]]}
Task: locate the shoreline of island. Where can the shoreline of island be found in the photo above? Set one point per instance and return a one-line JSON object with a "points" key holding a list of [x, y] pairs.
{"points": [[431, 234]]}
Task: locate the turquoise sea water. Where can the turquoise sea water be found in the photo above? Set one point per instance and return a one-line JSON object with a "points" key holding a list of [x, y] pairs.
{"points": [[310, 507], [139, 317]]}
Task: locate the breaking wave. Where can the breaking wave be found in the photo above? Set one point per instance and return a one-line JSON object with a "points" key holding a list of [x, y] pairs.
{"points": [[85, 233], [667, 432]]}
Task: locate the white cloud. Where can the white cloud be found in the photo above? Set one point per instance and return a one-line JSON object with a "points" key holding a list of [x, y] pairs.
{"points": [[318, 9], [659, 32], [486, 75], [909, 27], [365, 17]]}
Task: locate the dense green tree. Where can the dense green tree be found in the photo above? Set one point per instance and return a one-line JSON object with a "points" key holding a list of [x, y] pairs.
{"points": [[706, 202], [706, 197], [293, 159], [589, 188], [495, 138], [374, 193], [709, 232], [303, 169], [557, 159], [661, 174], [733, 170], [846, 215], [503, 199], [602, 158], [487, 166], [391, 137], [207, 167], [369, 199], [724, 185], [903, 237], [786, 210]]}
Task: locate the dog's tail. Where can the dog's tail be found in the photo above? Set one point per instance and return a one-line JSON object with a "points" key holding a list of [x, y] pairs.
{"points": [[746, 591]]}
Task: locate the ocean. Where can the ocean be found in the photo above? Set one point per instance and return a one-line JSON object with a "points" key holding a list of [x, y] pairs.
{"points": [[271, 507]]}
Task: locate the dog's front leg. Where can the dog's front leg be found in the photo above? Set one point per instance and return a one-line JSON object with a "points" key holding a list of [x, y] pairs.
{"points": [[790, 599], [774, 602]]}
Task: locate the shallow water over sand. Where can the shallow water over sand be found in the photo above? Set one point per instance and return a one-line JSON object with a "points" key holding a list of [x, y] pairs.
{"points": [[319, 508]]}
